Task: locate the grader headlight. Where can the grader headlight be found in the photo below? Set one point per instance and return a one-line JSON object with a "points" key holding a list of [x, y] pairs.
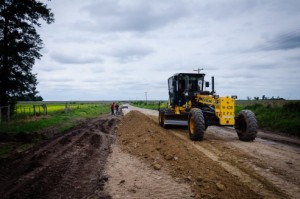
{"points": [[234, 97]]}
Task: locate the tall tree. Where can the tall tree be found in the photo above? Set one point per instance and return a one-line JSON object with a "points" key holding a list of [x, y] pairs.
{"points": [[19, 46]]}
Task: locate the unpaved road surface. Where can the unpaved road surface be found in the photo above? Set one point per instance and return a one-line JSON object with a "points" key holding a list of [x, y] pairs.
{"points": [[220, 166], [67, 166], [131, 156]]}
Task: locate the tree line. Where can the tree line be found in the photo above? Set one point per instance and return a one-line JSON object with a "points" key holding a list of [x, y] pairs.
{"points": [[265, 98]]}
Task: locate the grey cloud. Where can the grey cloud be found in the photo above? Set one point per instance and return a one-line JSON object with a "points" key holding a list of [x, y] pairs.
{"points": [[58, 79], [50, 68], [224, 10], [283, 42], [75, 59], [116, 15], [260, 66], [132, 53], [293, 58]]}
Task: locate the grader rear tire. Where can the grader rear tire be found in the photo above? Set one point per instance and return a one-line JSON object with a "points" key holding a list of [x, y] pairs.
{"points": [[246, 125], [196, 124]]}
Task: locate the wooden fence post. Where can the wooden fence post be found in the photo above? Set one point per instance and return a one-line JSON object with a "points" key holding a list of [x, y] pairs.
{"points": [[44, 108]]}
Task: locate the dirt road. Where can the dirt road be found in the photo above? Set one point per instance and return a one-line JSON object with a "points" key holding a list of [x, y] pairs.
{"points": [[220, 166], [133, 157]]}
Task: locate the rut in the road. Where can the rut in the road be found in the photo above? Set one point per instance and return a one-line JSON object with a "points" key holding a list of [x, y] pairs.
{"points": [[70, 165]]}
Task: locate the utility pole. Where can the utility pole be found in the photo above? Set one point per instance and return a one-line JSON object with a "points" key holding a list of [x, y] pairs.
{"points": [[146, 96], [198, 70]]}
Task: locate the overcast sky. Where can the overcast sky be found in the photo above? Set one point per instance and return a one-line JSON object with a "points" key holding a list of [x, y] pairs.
{"points": [[120, 49]]}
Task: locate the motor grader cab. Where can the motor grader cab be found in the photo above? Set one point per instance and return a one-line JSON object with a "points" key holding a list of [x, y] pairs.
{"points": [[191, 105]]}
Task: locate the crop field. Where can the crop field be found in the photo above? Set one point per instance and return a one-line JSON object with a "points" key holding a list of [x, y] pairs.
{"points": [[65, 115], [27, 109]]}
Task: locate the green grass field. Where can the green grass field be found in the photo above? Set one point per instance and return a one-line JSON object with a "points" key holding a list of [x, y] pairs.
{"points": [[150, 105], [57, 118], [25, 109], [57, 115]]}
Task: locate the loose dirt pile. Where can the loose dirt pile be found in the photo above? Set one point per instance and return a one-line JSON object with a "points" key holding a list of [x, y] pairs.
{"points": [[142, 137], [67, 166]]}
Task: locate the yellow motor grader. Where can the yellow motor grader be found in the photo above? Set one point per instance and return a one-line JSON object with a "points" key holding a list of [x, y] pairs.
{"points": [[191, 105]]}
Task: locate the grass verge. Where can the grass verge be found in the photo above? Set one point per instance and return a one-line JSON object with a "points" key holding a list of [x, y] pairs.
{"points": [[16, 134], [282, 117], [150, 105]]}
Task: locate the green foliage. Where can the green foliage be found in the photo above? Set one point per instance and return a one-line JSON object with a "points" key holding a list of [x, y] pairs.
{"points": [[62, 119], [28, 131], [281, 116], [19, 47], [30, 97]]}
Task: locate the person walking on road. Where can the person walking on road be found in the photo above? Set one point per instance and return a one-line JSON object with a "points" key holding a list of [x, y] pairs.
{"points": [[117, 109], [112, 108]]}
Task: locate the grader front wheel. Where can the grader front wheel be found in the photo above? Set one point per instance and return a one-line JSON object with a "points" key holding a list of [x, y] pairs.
{"points": [[246, 125], [161, 118], [196, 124]]}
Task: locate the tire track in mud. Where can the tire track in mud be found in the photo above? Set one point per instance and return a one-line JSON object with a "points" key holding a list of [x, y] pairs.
{"points": [[268, 161], [70, 165], [254, 182], [273, 160]]}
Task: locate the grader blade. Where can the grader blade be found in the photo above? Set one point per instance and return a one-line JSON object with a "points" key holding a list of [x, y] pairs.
{"points": [[177, 120]]}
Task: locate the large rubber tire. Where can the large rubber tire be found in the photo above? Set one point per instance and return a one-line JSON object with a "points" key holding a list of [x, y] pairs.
{"points": [[196, 124], [246, 125], [161, 118]]}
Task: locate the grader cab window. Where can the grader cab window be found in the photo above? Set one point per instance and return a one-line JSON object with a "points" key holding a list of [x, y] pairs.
{"points": [[193, 83]]}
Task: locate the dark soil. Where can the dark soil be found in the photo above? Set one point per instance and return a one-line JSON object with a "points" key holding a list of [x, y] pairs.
{"points": [[67, 166]]}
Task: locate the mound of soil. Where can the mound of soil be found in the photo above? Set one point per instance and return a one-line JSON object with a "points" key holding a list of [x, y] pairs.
{"points": [[140, 136]]}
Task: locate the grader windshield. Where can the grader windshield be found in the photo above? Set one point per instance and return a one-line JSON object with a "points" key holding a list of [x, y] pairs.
{"points": [[184, 84]]}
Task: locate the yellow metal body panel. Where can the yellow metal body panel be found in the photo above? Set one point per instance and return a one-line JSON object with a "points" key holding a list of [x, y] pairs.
{"points": [[206, 99], [179, 109], [224, 108]]}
